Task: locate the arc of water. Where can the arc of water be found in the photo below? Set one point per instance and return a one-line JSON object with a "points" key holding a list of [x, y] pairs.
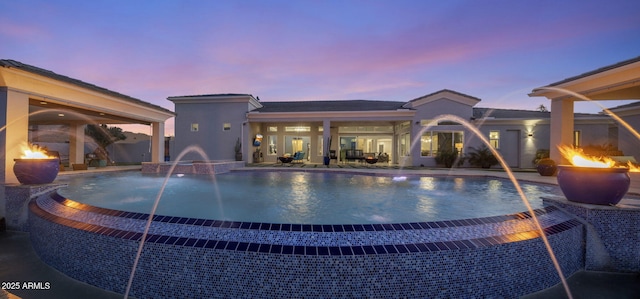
{"points": [[147, 226], [543, 236], [606, 110], [155, 206], [42, 112], [88, 120]]}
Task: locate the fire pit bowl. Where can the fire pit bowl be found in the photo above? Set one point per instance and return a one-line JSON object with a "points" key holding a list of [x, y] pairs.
{"points": [[598, 186], [36, 171], [371, 160]]}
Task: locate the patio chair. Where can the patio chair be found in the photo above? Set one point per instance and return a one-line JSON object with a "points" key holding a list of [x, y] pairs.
{"points": [[298, 157], [333, 156]]}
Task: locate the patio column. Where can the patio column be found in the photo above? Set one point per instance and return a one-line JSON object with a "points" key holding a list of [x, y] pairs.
{"points": [[14, 107], [561, 128], [76, 144], [157, 142], [326, 134]]}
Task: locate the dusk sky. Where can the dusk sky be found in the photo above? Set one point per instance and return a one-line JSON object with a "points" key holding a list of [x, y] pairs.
{"points": [[301, 50]]}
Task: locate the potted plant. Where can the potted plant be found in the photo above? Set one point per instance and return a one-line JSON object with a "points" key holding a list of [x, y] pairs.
{"points": [[327, 158], [482, 157], [540, 154], [546, 167], [238, 149]]}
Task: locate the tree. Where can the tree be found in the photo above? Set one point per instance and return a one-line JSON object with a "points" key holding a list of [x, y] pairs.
{"points": [[542, 108], [104, 136]]}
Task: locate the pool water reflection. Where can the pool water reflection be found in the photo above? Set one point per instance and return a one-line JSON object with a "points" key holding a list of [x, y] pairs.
{"points": [[307, 198]]}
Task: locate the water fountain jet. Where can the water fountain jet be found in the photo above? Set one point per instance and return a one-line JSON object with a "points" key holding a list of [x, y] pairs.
{"points": [[187, 150], [469, 126]]}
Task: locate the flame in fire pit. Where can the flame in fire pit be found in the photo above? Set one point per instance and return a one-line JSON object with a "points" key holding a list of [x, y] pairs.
{"points": [[578, 158], [35, 152]]}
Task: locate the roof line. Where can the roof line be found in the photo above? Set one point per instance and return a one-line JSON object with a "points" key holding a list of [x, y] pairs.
{"points": [[596, 71], [9, 63], [446, 90]]}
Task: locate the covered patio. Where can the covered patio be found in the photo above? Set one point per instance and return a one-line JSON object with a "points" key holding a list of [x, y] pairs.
{"points": [[32, 96], [620, 81]]}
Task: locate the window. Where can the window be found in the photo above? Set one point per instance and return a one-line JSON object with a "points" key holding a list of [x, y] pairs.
{"points": [[297, 129], [403, 126], [365, 129], [494, 139], [576, 138], [320, 149], [426, 122], [433, 142], [405, 143], [194, 127], [226, 126], [293, 144], [272, 141]]}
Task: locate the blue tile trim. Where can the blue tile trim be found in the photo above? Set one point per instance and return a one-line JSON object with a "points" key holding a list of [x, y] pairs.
{"points": [[302, 227], [305, 250]]}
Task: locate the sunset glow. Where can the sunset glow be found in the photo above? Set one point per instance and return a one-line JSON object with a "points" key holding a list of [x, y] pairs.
{"points": [[322, 50]]}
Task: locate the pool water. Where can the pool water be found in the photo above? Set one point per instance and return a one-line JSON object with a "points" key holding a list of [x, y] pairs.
{"points": [[306, 197]]}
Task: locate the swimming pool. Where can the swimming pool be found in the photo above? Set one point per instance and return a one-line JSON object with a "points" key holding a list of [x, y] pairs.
{"points": [[491, 256], [307, 197]]}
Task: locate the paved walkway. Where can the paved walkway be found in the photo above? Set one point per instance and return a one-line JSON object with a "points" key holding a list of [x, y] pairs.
{"points": [[19, 263]]}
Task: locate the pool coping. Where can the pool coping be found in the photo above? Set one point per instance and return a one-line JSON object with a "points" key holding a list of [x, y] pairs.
{"points": [[301, 249]]}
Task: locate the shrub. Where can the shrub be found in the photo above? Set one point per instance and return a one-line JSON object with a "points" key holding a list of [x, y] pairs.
{"points": [[448, 158], [481, 157]]}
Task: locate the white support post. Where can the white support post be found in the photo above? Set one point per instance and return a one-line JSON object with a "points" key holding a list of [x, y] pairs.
{"points": [[561, 128], [76, 143], [326, 134], [157, 142], [16, 115]]}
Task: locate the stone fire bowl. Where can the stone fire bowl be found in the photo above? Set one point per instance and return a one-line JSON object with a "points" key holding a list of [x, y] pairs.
{"points": [[590, 185]]}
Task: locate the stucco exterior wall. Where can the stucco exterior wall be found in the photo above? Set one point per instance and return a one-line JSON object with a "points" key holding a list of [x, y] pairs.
{"points": [[443, 106], [628, 143], [519, 151], [217, 143], [593, 134], [130, 152], [429, 111]]}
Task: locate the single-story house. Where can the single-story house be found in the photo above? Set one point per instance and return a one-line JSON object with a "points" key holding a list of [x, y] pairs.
{"points": [[413, 132]]}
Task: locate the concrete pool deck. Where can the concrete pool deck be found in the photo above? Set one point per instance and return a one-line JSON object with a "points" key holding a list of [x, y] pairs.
{"points": [[18, 262]]}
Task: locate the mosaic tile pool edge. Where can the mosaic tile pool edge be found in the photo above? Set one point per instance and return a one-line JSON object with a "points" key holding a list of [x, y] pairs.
{"points": [[437, 269], [615, 229]]}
